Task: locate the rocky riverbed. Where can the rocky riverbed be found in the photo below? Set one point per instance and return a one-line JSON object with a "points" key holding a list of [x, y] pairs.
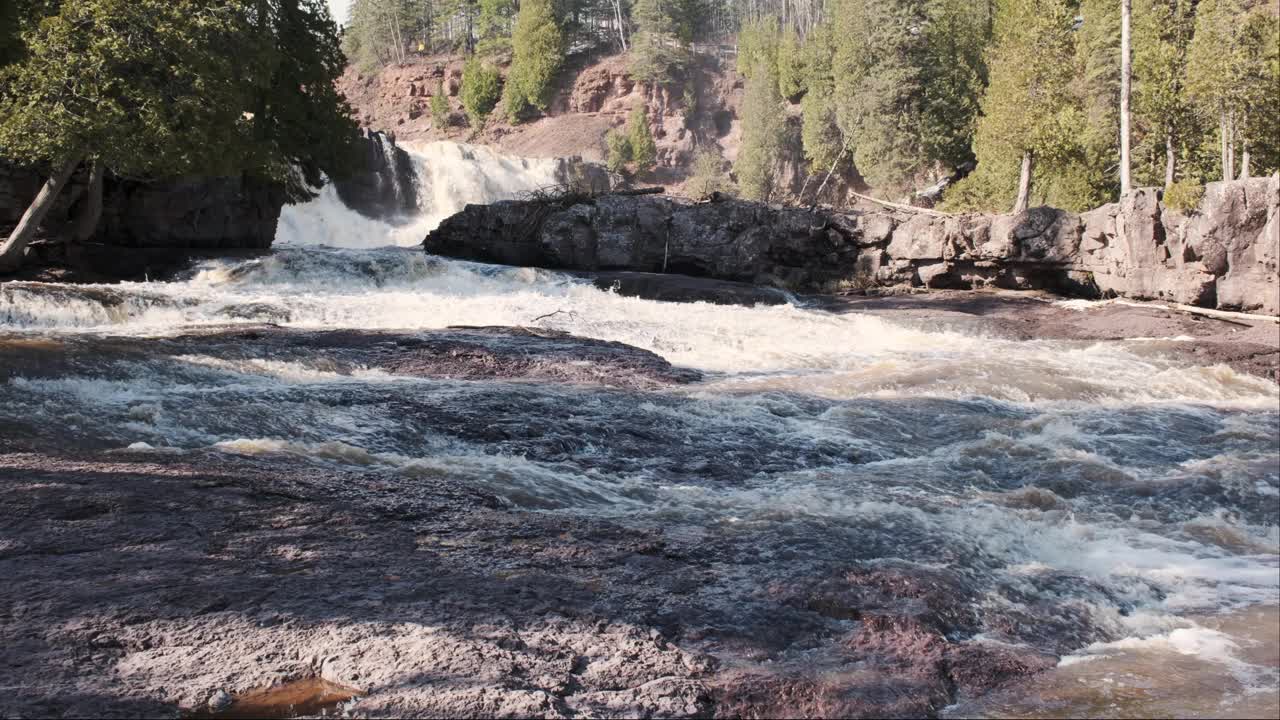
{"points": [[302, 472]]}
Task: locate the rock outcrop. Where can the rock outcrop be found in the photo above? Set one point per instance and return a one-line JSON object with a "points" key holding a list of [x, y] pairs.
{"points": [[385, 184], [1222, 255]]}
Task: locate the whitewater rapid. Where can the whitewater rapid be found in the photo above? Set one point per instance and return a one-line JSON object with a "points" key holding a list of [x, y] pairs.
{"points": [[1154, 484]]}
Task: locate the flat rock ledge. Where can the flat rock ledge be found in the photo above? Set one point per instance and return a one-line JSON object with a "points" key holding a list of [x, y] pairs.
{"points": [[1225, 254]]}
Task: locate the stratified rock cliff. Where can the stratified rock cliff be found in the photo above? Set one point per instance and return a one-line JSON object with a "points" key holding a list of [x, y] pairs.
{"points": [[1222, 255]]}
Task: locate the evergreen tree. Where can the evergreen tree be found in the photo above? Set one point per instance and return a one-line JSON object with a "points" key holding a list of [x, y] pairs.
{"points": [[793, 76], [1028, 119], [481, 88], [494, 26], [879, 69], [644, 152], [762, 128], [538, 46], [824, 144], [1092, 175], [146, 87], [439, 107], [618, 151], [1162, 122], [658, 50], [955, 76]]}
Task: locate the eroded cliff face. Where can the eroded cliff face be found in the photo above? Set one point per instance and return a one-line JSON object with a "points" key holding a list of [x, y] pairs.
{"points": [[1223, 255]]}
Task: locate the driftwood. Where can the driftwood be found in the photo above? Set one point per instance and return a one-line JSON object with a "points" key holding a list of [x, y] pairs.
{"points": [[638, 191], [898, 206]]}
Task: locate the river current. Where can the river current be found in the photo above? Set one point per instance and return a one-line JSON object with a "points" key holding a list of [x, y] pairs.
{"points": [[1141, 493]]}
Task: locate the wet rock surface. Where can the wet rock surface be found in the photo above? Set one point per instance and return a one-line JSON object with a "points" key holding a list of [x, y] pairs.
{"points": [[1249, 345], [1226, 254]]}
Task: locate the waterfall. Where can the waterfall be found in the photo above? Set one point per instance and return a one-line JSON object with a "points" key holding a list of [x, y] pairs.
{"points": [[448, 177]]}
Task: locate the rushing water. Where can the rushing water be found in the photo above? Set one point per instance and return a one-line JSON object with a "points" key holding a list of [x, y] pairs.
{"points": [[1141, 494]]}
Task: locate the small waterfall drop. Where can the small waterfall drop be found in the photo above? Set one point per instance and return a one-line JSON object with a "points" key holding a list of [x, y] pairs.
{"points": [[449, 176]]}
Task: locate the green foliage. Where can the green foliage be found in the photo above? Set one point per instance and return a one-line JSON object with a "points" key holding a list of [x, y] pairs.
{"points": [[1094, 170], [708, 175], [757, 47], [148, 88], [955, 76], [792, 72], [762, 129], [1028, 106], [1184, 195], [494, 26], [440, 107], [1161, 115], [618, 151], [659, 47], [879, 68], [481, 88], [539, 51], [820, 133], [644, 152]]}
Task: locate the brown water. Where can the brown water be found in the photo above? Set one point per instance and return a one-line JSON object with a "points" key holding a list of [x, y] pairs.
{"points": [[309, 697], [1233, 675]]}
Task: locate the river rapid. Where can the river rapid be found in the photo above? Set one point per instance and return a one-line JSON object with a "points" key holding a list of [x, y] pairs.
{"points": [[1098, 502]]}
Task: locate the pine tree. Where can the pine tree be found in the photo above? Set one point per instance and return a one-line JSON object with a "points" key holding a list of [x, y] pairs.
{"points": [[439, 107], [1162, 122], [1092, 177], [481, 88], [657, 50], [955, 76], [644, 151], [618, 151], [538, 45], [1028, 118], [1214, 72], [762, 127], [824, 143], [879, 70]]}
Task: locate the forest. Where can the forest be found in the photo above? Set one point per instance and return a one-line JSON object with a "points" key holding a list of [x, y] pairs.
{"points": [[1056, 102]]}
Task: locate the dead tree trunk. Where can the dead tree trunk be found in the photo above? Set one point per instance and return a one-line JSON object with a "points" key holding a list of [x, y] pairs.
{"points": [[1169, 158], [1126, 84], [1024, 184], [14, 248]]}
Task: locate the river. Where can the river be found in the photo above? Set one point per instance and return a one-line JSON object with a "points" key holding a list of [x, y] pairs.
{"points": [[1098, 502]]}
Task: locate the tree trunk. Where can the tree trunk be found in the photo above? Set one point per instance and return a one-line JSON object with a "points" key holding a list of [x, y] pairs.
{"points": [[13, 249], [1229, 172], [1244, 149], [1126, 84], [1169, 157], [1024, 184], [1222, 133], [91, 211]]}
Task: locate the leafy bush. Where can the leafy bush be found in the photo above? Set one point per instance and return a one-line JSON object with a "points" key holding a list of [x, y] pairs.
{"points": [[708, 175], [1184, 195], [619, 151], [644, 152], [538, 45], [439, 107], [481, 87]]}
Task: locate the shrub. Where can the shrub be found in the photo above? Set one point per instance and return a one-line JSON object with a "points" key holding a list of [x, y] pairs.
{"points": [[1184, 195], [708, 175], [619, 151], [440, 107], [481, 87], [644, 152]]}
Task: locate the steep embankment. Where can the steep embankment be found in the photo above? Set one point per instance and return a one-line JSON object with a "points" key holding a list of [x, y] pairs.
{"points": [[699, 111]]}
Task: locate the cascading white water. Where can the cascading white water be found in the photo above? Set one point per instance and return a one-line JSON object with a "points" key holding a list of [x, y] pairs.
{"points": [[449, 175]]}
